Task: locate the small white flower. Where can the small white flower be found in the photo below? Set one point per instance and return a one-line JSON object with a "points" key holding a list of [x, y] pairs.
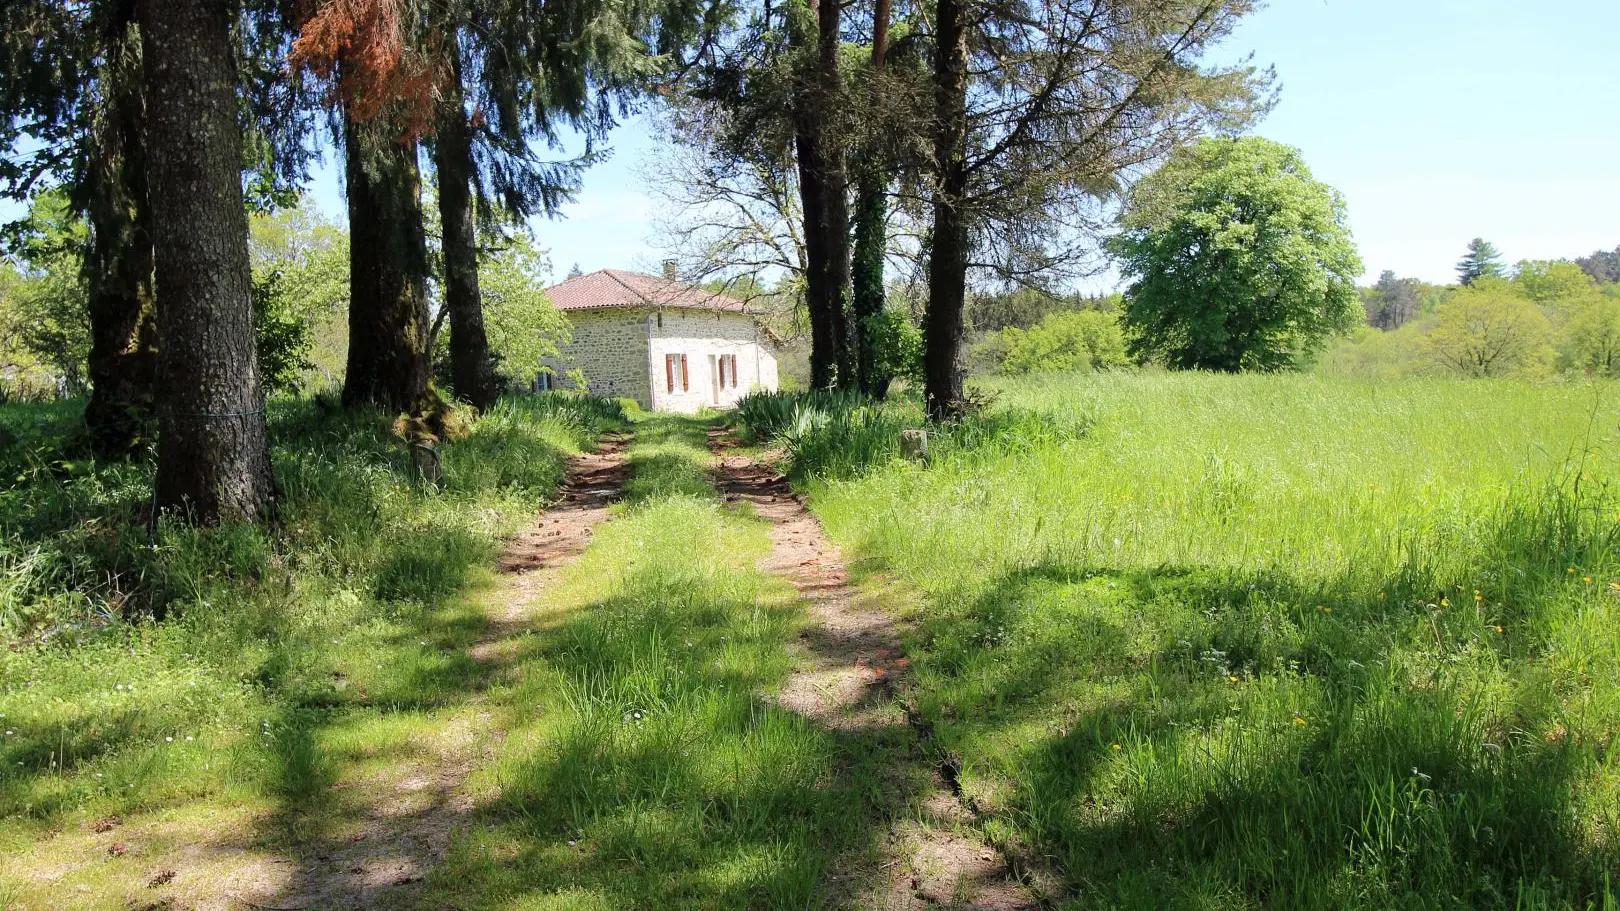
{"points": [[168, 740]]}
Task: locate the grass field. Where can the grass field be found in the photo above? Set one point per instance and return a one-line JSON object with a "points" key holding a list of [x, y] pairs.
{"points": [[1268, 641], [1193, 641], [284, 662]]}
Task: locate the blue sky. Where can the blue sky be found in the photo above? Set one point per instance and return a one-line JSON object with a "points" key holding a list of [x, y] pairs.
{"points": [[1439, 121]]}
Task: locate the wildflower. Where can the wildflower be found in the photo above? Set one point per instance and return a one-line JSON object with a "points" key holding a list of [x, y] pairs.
{"points": [[1478, 597], [1118, 747], [1299, 719], [1445, 602], [1614, 585], [1571, 570], [168, 740], [1380, 596], [1587, 579], [1500, 629], [1233, 677]]}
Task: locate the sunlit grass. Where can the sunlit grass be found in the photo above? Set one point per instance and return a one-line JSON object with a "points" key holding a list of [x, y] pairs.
{"points": [[644, 766], [284, 659], [1276, 641]]}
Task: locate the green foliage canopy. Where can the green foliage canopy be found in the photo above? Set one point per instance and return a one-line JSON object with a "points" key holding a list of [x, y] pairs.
{"points": [[1487, 329], [1239, 259], [47, 303], [1551, 282], [524, 327]]}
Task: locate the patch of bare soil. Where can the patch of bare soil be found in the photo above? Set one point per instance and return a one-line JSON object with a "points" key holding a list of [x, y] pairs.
{"points": [[401, 825], [850, 661]]}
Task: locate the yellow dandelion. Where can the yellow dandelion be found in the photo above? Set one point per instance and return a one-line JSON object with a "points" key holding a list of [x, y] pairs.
{"points": [[1118, 747], [1500, 630], [1615, 585], [1298, 720], [1571, 570], [1587, 579], [1478, 596], [1445, 602], [1233, 678]]}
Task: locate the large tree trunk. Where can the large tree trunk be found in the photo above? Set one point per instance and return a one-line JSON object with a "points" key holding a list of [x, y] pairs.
{"points": [[213, 448], [388, 316], [471, 366], [834, 185], [118, 270], [823, 195], [871, 235], [948, 258], [823, 335]]}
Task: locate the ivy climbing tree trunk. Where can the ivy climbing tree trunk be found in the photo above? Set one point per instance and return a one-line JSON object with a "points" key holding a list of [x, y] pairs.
{"points": [[213, 448], [823, 187], [471, 366], [388, 315], [118, 267], [948, 256], [871, 235]]}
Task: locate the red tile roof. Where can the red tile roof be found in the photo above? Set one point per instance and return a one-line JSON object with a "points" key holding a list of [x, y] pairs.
{"points": [[617, 288]]}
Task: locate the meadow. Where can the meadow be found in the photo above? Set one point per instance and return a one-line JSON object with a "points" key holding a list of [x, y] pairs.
{"points": [[220, 681], [1260, 641], [1183, 640]]}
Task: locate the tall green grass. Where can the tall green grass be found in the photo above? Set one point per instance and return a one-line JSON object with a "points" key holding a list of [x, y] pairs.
{"points": [[645, 766], [147, 669], [1274, 641]]}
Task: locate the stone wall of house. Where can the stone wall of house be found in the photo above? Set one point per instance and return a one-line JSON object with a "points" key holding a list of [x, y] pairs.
{"points": [[610, 347], [623, 353], [704, 337]]}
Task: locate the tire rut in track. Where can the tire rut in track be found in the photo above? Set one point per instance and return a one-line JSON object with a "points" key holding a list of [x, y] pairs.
{"points": [[850, 663], [405, 830]]}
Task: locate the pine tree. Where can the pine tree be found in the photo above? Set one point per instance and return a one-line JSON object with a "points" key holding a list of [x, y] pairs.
{"points": [[1035, 119], [70, 80], [213, 445], [871, 224], [1482, 260]]}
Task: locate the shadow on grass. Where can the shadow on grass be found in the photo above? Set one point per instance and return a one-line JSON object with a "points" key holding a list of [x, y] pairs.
{"points": [[662, 779], [1187, 737]]}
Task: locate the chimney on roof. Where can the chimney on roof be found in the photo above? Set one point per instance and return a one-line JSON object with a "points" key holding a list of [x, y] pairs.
{"points": [[671, 270]]}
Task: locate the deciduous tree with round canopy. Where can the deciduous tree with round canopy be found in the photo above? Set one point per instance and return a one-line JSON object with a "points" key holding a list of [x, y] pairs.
{"points": [[1239, 259]]}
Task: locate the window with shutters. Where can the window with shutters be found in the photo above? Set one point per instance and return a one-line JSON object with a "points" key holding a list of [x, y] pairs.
{"points": [[675, 371]]}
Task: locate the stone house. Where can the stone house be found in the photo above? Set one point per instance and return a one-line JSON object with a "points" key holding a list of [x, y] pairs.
{"points": [[667, 345]]}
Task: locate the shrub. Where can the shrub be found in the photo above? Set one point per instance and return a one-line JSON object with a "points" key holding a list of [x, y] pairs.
{"points": [[1067, 340]]}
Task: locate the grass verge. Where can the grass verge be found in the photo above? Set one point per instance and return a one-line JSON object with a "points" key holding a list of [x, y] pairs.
{"points": [[287, 662], [1281, 642]]}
